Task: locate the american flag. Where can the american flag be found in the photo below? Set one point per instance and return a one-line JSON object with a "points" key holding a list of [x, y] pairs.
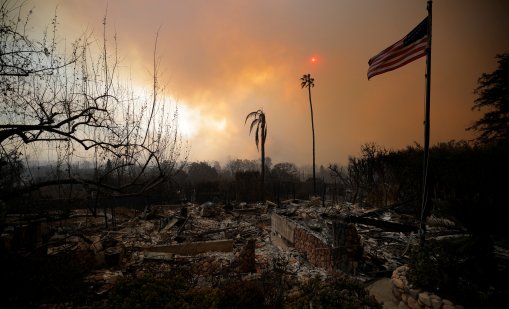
{"points": [[406, 50]]}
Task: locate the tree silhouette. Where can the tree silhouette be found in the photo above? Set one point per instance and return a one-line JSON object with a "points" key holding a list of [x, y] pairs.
{"points": [[308, 81], [73, 101], [285, 171], [259, 121], [493, 94]]}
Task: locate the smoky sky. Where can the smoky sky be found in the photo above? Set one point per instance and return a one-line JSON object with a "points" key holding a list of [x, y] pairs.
{"points": [[222, 59]]}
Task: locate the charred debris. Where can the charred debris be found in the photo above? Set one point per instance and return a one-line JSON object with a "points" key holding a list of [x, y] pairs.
{"points": [[213, 242]]}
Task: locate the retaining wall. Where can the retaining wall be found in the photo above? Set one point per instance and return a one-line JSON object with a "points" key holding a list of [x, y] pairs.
{"points": [[408, 297]]}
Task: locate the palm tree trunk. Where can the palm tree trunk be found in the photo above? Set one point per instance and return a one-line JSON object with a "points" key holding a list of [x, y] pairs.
{"points": [[313, 132], [263, 170]]}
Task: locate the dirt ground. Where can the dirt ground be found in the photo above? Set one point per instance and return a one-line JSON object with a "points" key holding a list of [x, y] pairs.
{"points": [[381, 289]]}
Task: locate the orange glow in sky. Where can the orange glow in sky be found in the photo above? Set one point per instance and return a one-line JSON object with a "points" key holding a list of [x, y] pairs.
{"points": [[224, 59]]}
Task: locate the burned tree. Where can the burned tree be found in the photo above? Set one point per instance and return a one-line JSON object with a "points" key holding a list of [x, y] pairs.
{"points": [[74, 103], [260, 122]]}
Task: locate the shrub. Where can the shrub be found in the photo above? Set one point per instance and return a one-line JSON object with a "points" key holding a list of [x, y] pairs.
{"points": [[34, 280], [461, 269], [145, 292], [336, 292], [242, 294]]}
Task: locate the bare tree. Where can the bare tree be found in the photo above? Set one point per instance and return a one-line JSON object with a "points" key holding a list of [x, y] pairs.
{"points": [[75, 102]]}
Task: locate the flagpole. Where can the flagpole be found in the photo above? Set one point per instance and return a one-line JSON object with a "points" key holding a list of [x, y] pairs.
{"points": [[422, 227]]}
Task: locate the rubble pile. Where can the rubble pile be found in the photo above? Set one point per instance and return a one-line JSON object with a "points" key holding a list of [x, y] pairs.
{"points": [[247, 258], [206, 239], [329, 239], [385, 250], [211, 242]]}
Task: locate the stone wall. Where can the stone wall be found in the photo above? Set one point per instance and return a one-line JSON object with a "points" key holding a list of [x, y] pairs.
{"points": [[407, 296]]}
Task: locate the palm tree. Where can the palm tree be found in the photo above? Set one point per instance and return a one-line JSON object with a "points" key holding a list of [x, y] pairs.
{"points": [[308, 81], [259, 121]]}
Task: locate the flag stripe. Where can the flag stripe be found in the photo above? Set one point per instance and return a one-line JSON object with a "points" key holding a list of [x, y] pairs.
{"points": [[398, 60], [397, 51], [411, 47], [387, 69]]}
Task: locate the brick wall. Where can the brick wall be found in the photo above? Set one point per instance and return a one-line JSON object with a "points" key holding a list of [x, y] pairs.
{"points": [[315, 250], [342, 253]]}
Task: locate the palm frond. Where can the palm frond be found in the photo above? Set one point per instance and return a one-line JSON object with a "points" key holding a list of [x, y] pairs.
{"points": [[307, 81], [260, 123], [254, 123], [251, 114]]}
